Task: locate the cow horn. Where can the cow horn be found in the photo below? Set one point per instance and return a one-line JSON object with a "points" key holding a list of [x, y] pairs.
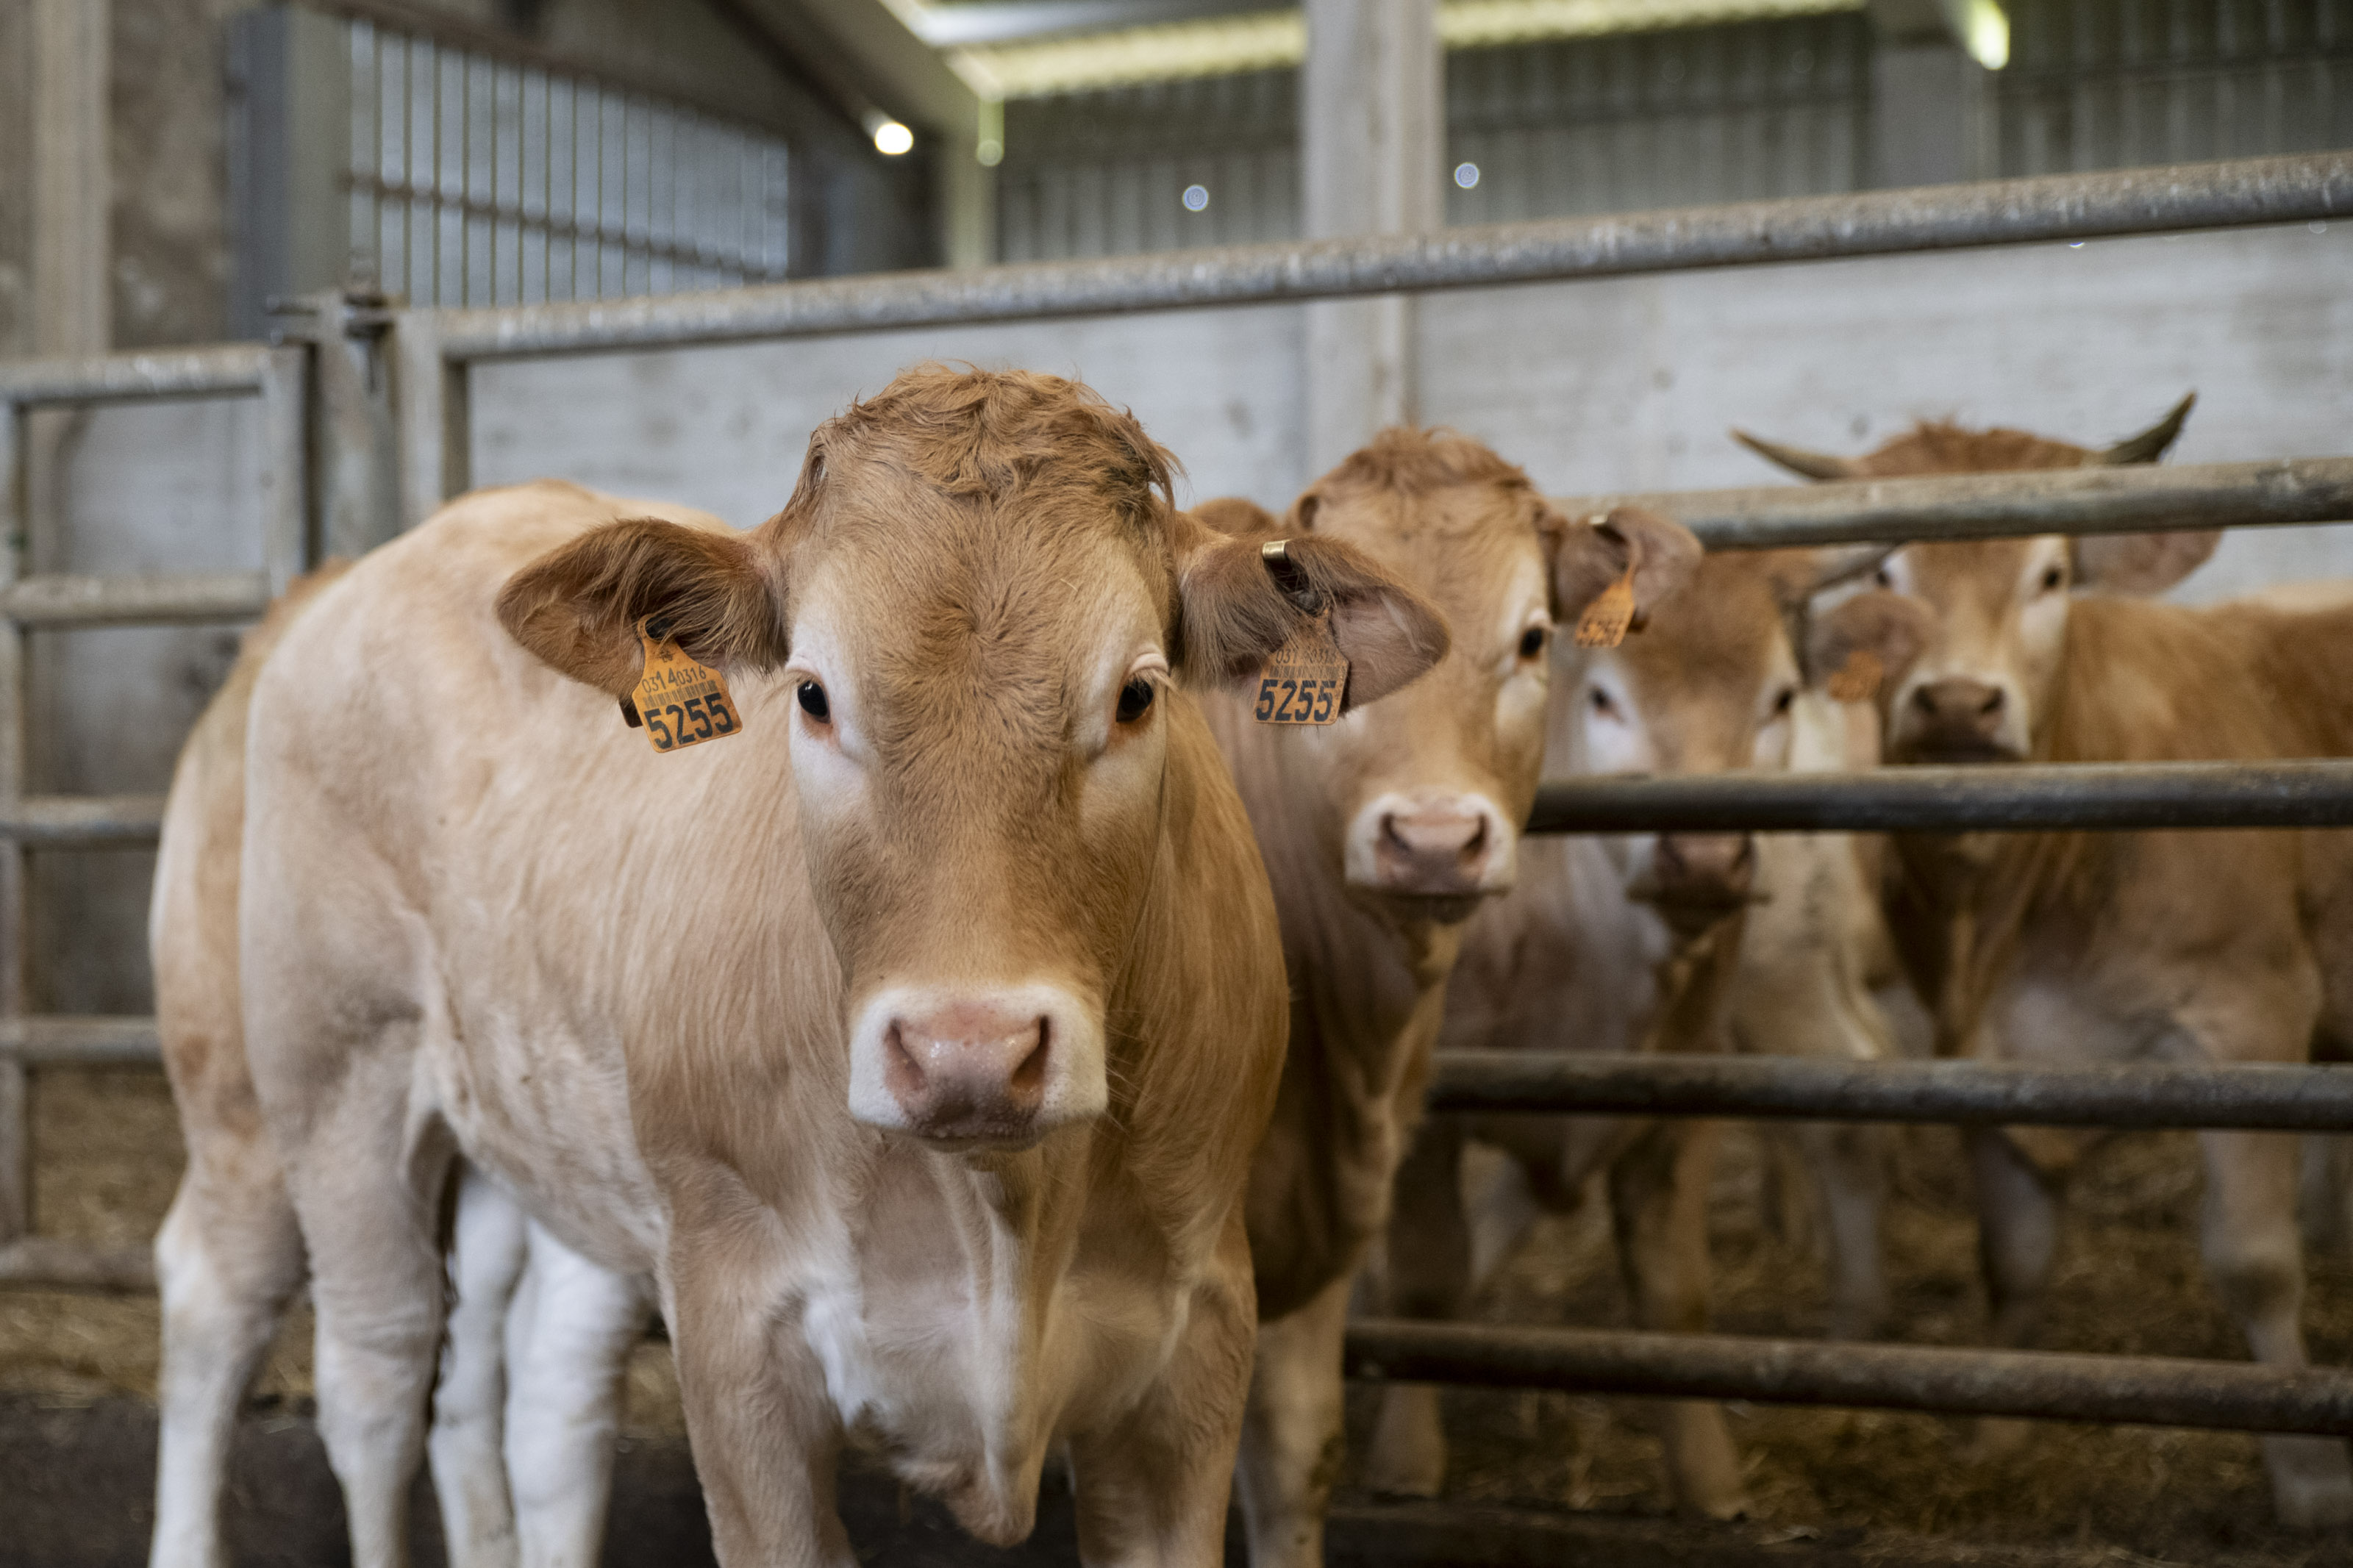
{"points": [[1797, 460], [2150, 443]]}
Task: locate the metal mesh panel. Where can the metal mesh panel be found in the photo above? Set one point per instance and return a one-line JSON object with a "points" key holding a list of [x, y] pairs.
{"points": [[1104, 174], [1647, 119], [1699, 114], [478, 181], [2106, 84]]}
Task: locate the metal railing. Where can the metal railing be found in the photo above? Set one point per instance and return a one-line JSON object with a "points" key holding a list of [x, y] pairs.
{"points": [[280, 378], [432, 354]]}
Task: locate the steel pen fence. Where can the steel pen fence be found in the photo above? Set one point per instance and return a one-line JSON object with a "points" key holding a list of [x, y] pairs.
{"points": [[433, 353]]}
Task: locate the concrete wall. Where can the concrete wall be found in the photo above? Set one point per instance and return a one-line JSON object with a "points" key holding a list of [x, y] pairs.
{"points": [[1623, 384]]}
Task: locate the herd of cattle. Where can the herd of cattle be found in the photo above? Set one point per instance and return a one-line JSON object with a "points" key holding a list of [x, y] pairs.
{"points": [[1011, 1044]]}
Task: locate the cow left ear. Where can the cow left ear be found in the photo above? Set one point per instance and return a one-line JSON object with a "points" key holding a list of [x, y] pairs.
{"points": [[1238, 605], [2140, 564], [577, 607], [1658, 552]]}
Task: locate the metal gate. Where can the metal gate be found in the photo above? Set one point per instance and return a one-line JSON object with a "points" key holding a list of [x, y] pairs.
{"points": [[436, 352]]}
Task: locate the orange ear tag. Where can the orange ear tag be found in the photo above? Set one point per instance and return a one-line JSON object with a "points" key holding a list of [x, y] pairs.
{"points": [[1306, 681], [1605, 620], [1856, 680], [681, 702]]}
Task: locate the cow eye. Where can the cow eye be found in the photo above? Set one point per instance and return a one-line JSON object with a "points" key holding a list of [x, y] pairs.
{"points": [[1600, 700], [1135, 701], [1532, 642], [2053, 579], [1782, 703], [813, 702]]}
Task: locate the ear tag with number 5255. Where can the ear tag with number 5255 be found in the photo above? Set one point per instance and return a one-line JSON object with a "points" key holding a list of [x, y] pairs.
{"points": [[679, 701], [1306, 681]]}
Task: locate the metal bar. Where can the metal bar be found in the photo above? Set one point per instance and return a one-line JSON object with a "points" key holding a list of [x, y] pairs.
{"points": [[1876, 223], [2151, 1391], [224, 369], [59, 1040], [49, 1263], [2279, 1098], [84, 819], [72, 599], [1998, 506], [435, 432], [1988, 799], [16, 1100], [286, 490]]}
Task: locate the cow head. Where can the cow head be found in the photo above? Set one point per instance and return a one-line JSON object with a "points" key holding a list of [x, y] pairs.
{"points": [[1965, 640], [1417, 803], [1712, 685], [977, 599]]}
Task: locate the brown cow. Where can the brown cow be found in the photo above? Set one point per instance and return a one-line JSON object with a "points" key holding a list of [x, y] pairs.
{"points": [[915, 1038], [1381, 834], [1636, 942], [2111, 947]]}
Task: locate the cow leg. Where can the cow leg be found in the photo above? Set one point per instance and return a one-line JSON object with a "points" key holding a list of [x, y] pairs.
{"points": [[2018, 1236], [758, 1418], [1152, 1491], [2325, 1202], [1658, 1200], [368, 1191], [2253, 1255], [568, 1342], [228, 1259], [1292, 1437], [1428, 1276], [1849, 1162], [466, 1449]]}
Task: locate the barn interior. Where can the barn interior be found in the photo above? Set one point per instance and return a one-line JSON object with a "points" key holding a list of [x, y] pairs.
{"points": [[346, 187]]}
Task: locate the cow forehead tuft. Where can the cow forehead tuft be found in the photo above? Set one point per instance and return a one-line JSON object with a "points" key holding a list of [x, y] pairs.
{"points": [[1940, 447], [994, 434]]}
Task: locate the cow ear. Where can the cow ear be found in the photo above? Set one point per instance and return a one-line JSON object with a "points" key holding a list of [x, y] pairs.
{"points": [[1237, 607], [1863, 646], [577, 607], [2140, 564], [1588, 556]]}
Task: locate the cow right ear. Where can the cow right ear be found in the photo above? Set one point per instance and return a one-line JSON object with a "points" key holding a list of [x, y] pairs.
{"points": [[1861, 646], [1238, 606], [1660, 554], [577, 607]]}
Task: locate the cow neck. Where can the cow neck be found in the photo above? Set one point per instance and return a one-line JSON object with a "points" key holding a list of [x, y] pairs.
{"points": [[1367, 967]]}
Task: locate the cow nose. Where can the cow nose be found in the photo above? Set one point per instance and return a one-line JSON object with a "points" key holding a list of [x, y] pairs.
{"points": [[969, 1069], [1451, 846], [1957, 699], [1708, 871], [1957, 715]]}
